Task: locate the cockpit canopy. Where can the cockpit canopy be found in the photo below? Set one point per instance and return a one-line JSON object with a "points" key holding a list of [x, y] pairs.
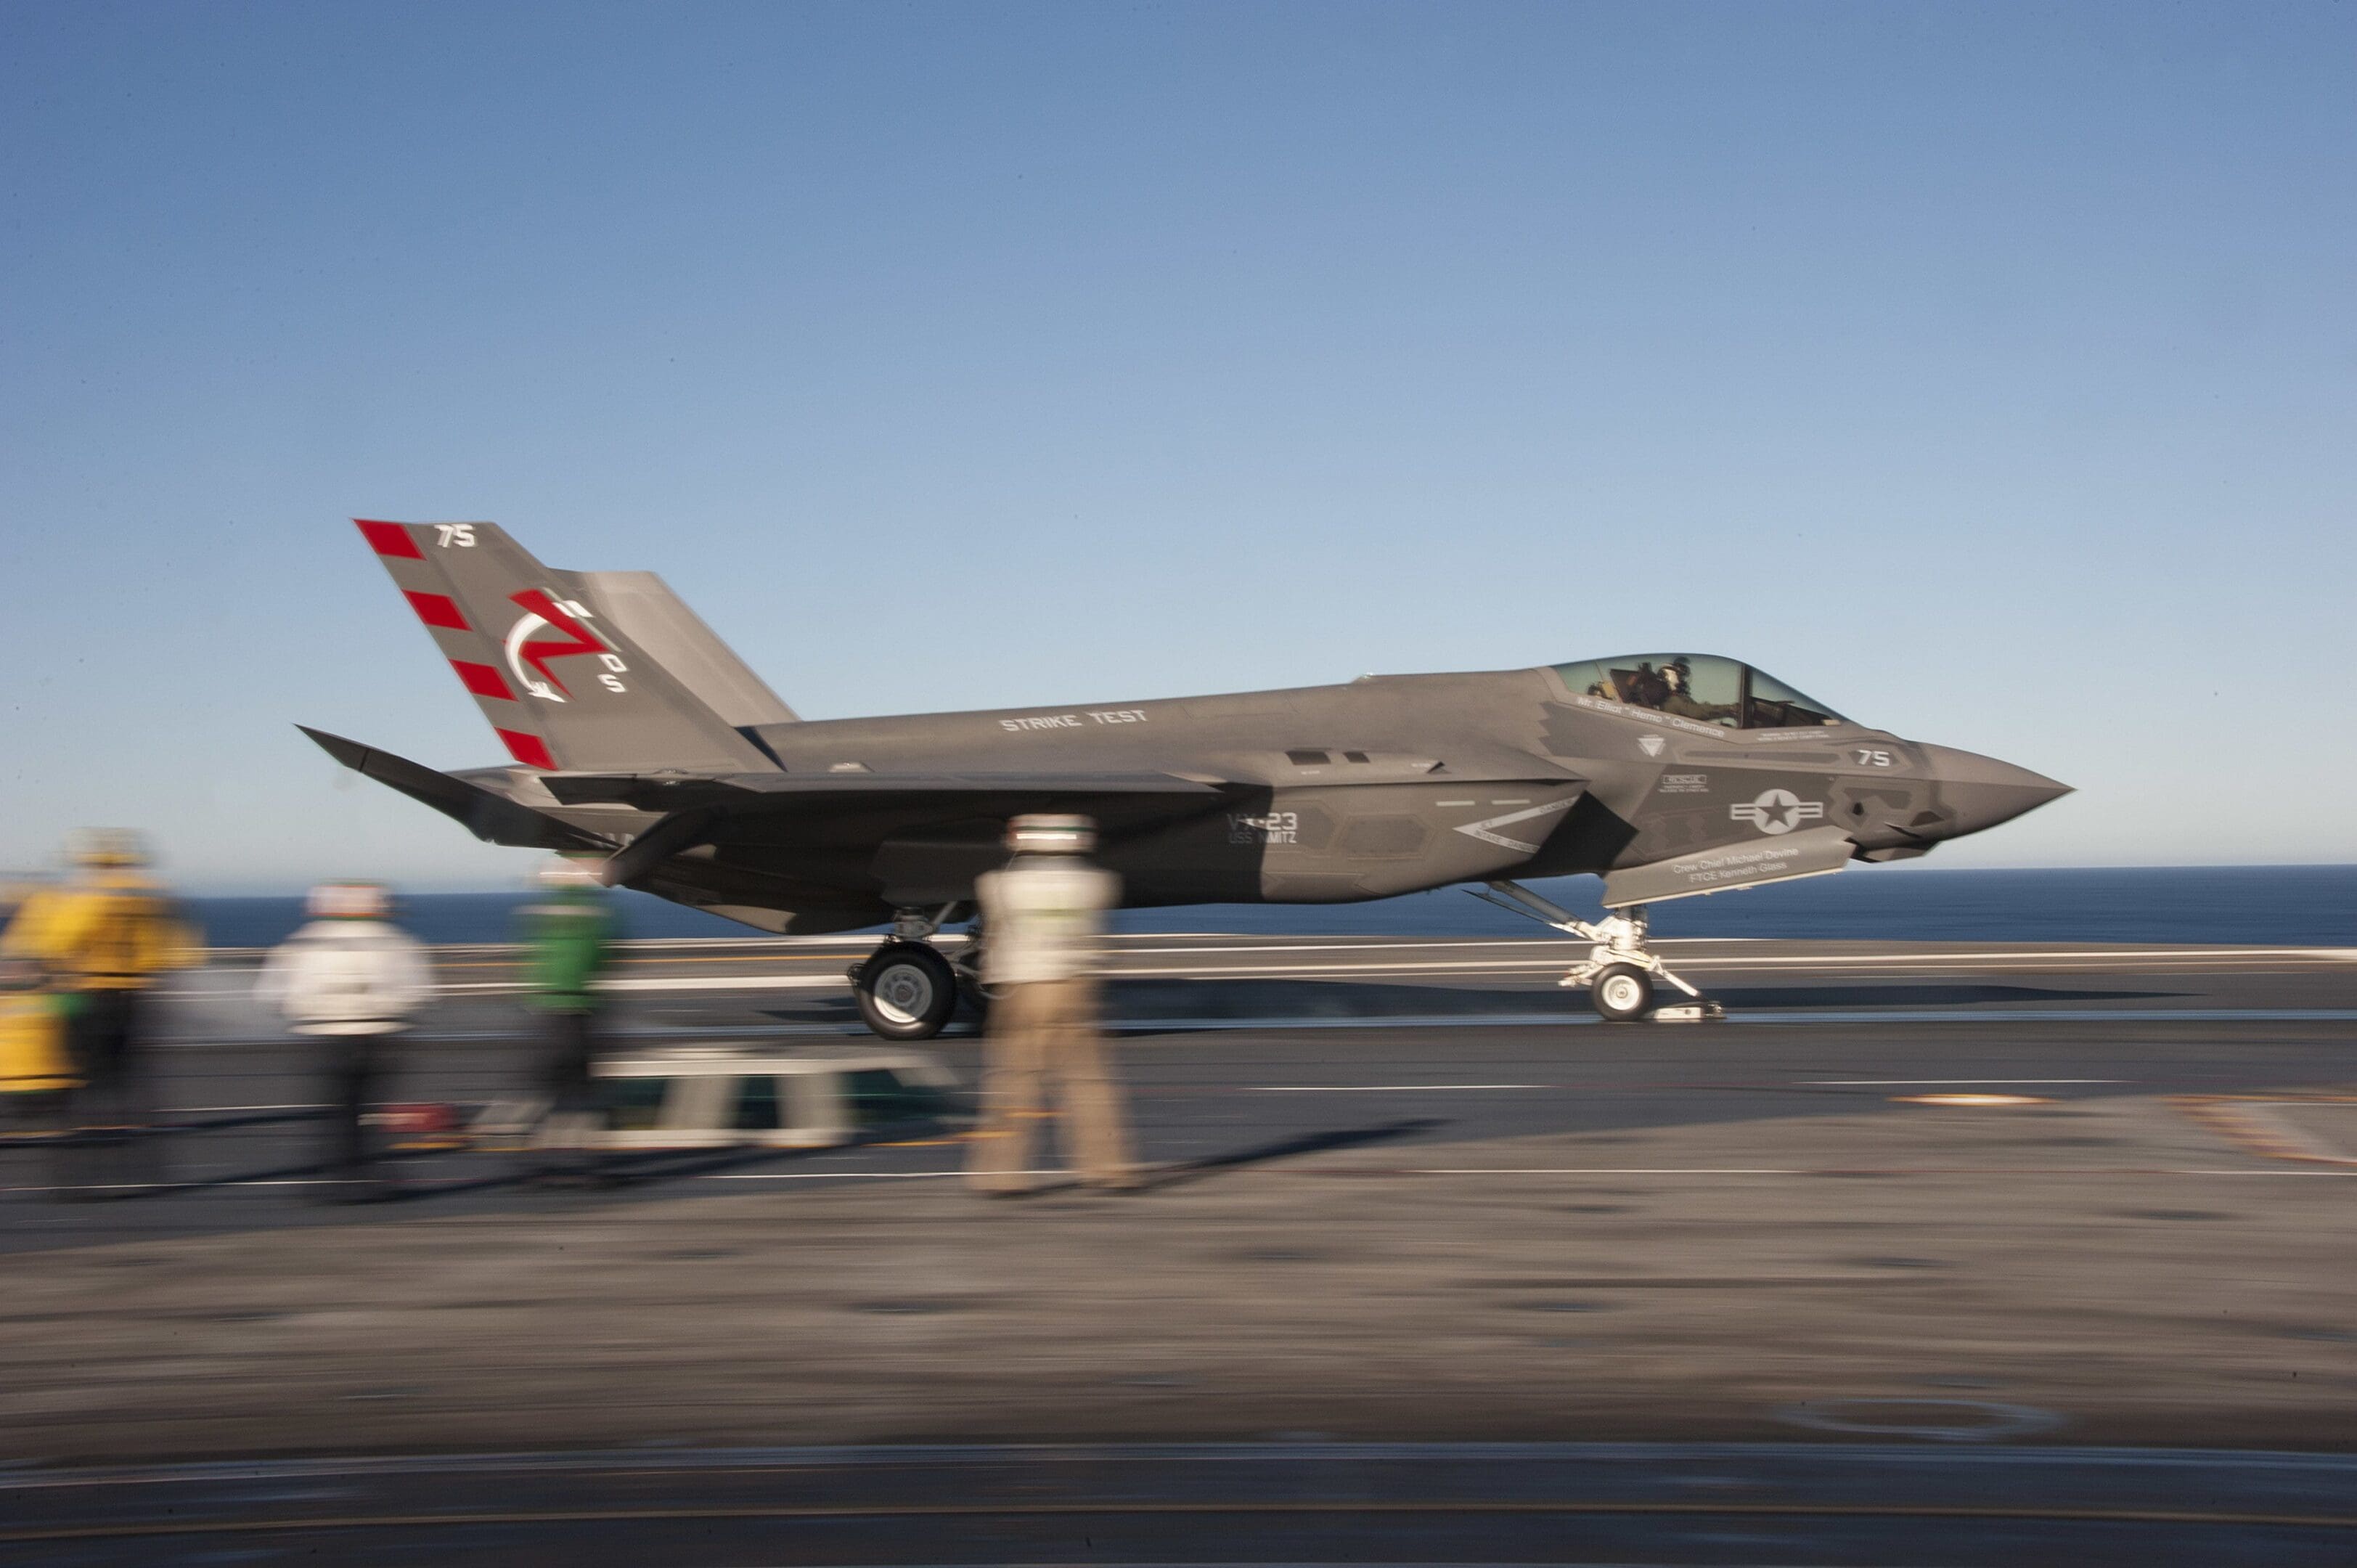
{"points": [[1702, 687]]}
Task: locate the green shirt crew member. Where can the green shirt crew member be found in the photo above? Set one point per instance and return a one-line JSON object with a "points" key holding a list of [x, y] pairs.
{"points": [[567, 938]]}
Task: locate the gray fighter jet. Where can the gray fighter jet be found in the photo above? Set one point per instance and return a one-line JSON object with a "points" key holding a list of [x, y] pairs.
{"points": [[637, 737]]}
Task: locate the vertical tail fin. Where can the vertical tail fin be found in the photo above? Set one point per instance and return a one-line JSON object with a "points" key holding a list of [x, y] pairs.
{"points": [[675, 637], [557, 671]]}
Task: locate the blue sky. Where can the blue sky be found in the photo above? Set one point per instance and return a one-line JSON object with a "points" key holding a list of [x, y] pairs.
{"points": [[1987, 371]]}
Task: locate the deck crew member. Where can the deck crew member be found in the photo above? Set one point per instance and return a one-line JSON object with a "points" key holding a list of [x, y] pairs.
{"points": [[106, 937], [567, 933], [36, 1076], [352, 981], [1043, 915]]}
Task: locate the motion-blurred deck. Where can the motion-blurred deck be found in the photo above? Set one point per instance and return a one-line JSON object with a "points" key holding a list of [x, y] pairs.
{"points": [[1308, 981], [1402, 1190]]}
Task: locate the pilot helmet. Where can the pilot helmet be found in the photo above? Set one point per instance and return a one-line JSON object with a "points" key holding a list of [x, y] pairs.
{"points": [[1043, 833], [350, 901], [108, 848]]}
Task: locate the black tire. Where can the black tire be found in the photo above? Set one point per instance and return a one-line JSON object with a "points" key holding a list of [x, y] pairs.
{"points": [[1621, 993], [906, 992]]}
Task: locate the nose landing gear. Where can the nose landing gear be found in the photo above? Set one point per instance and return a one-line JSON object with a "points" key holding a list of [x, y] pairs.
{"points": [[1620, 970]]}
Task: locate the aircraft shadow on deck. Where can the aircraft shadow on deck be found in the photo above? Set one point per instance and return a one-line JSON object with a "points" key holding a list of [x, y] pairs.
{"points": [[1135, 1003], [502, 1183], [1138, 1005], [1947, 995], [473, 1182], [1294, 1146]]}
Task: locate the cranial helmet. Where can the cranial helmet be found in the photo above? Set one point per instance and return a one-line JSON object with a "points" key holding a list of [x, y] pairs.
{"points": [[108, 846], [1045, 834], [350, 901]]}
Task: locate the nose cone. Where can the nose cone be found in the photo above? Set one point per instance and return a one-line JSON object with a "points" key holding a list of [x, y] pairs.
{"points": [[1982, 791]]}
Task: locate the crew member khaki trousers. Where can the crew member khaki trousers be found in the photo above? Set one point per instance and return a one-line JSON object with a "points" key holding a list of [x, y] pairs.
{"points": [[1043, 1042]]}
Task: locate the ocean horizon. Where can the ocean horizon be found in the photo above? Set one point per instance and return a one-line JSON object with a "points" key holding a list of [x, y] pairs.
{"points": [[2307, 905]]}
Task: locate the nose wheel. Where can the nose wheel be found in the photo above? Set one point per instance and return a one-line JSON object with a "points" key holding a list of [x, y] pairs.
{"points": [[1621, 992]]}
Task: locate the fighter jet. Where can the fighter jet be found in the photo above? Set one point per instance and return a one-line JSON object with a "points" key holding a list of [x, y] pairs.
{"points": [[636, 736]]}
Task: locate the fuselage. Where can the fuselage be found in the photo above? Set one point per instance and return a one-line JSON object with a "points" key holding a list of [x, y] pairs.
{"points": [[1384, 786]]}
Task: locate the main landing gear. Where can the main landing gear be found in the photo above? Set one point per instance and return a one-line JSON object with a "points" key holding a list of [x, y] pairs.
{"points": [[908, 988], [1620, 970]]}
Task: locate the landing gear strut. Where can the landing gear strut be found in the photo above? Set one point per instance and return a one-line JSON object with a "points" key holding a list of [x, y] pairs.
{"points": [[907, 989], [1620, 970]]}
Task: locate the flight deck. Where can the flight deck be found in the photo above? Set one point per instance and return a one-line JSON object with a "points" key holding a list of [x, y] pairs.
{"points": [[1956, 1201]]}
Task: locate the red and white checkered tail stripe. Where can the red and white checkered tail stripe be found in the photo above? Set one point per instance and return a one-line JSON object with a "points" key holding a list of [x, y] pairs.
{"points": [[408, 552]]}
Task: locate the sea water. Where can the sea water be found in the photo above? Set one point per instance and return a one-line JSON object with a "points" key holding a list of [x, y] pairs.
{"points": [[2302, 905]]}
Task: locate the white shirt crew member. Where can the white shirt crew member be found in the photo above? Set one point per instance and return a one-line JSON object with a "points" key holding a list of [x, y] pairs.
{"points": [[1043, 919], [347, 977]]}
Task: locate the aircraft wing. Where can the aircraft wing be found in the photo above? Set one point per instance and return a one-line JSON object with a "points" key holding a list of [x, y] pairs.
{"points": [[693, 810], [762, 793]]}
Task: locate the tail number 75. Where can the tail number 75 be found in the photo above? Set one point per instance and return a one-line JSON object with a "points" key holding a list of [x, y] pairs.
{"points": [[1872, 756]]}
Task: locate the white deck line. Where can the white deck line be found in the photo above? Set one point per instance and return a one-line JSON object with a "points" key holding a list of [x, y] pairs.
{"points": [[1381, 1088], [1952, 1083], [2070, 951]]}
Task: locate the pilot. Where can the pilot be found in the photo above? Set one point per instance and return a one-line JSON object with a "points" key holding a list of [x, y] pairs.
{"points": [[1045, 915], [106, 937], [1681, 701], [351, 980], [1648, 688], [1677, 695]]}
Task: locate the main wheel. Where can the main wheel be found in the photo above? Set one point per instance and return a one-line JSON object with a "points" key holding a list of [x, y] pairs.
{"points": [[906, 992], [1621, 992]]}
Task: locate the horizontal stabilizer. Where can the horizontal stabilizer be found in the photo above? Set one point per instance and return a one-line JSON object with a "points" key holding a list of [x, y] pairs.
{"points": [[1817, 852], [491, 817]]}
